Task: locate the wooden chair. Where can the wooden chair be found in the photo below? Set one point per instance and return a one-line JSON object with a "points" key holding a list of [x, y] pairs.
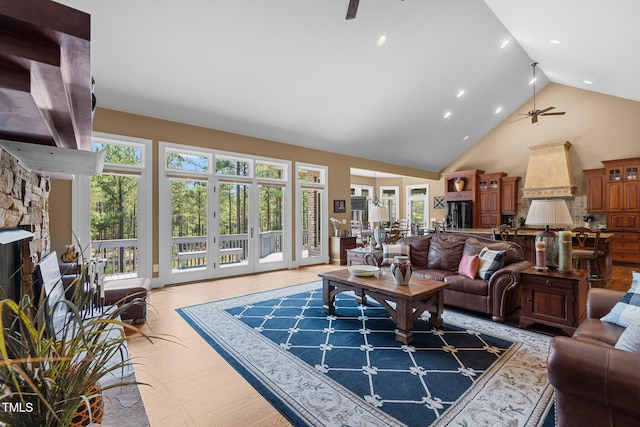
{"points": [[394, 233], [439, 226], [503, 232], [404, 227], [590, 253]]}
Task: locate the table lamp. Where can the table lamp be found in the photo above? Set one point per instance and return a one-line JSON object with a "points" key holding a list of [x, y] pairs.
{"points": [[548, 212], [378, 213]]}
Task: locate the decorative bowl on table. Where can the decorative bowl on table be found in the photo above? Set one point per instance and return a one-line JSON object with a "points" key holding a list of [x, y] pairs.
{"points": [[363, 270]]}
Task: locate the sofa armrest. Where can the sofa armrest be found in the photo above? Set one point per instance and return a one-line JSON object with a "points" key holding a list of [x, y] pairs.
{"points": [[373, 258], [596, 373], [600, 301], [504, 289]]}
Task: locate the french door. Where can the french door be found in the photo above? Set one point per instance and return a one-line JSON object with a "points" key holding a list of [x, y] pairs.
{"points": [[228, 214]]}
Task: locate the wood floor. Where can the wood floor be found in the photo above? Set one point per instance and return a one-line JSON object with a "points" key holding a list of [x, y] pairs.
{"points": [[190, 384]]}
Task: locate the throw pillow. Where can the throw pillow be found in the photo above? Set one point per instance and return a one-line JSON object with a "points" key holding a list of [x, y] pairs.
{"points": [[469, 265], [389, 252], [628, 308], [490, 262], [630, 338]]}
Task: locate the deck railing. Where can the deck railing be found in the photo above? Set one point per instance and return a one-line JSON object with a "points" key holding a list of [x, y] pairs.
{"points": [[121, 255]]}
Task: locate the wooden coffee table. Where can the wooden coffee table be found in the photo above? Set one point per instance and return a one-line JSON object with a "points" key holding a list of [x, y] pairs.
{"points": [[410, 301]]}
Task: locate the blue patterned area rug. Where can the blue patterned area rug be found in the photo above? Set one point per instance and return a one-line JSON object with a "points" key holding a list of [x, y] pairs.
{"points": [[348, 369]]}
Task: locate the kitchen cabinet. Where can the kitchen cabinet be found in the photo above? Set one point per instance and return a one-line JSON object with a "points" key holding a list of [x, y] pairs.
{"points": [[510, 195], [625, 247], [490, 199], [622, 194], [595, 190]]}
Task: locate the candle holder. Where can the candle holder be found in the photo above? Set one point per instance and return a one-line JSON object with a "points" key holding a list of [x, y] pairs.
{"points": [[565, 258]]}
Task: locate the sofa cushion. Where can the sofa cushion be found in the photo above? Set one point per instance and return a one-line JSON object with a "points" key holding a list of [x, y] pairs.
{"points": [[596, 330], [431, 274], [469, 265], [630, 338], [419, 249], [445, 253], [628, 308], [469, 286], [490, 262], [389, 252], [473, 246]]}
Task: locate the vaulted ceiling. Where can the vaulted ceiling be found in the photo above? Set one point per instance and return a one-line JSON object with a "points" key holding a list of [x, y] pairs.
{"points": [[298, 72]]}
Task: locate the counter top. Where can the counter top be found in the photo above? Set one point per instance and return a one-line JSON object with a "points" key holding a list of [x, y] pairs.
{"points": [[604, 234]]}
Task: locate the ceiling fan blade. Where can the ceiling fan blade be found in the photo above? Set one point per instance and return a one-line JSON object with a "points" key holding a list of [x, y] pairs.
{"points": [[560, 113], [517, 120], [534, 119], [352, 9], [546, 109]]}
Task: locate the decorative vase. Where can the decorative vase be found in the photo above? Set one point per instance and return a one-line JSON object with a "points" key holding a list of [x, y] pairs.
{"points": [[459, 183], [96, 406], [401, 270]]}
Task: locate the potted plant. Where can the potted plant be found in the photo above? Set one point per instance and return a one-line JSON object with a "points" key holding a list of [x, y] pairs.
{"points": [[47, 378]]}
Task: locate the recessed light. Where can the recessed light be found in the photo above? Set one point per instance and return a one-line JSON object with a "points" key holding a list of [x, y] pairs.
{"points": [[460, 93], [589, 82], [447, 114], [554, 41], [465, 138], [498, 110], [504, 44], [381, 40]]}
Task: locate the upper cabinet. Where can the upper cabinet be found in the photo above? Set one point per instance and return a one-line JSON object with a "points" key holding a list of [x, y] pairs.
{"points": [[45, 74], [622, 193], [510, 195], [595, 190]]}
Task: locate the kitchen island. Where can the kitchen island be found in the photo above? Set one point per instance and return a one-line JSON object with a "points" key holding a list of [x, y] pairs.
{"points": [[527, 237]]}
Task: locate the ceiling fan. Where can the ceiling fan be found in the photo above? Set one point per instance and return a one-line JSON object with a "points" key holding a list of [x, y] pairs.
{"points": [[353, 8], [535, 112]]}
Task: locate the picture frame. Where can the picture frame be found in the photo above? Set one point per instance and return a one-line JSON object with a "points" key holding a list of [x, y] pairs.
{"points": [[339, 206], [438, 202]]}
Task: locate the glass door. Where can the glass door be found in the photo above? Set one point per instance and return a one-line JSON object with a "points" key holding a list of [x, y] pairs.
{"points": [[271, 224], [189, 201], [234, 230]]}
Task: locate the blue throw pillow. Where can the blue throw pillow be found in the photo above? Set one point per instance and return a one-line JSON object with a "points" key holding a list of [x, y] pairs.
{"points": [[628, 308], [490, 262]]}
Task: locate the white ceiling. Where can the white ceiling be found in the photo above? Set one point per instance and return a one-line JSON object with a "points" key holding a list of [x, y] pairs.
{"points": [[297, 72]]}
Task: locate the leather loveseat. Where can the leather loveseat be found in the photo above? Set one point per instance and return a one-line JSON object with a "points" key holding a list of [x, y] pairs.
{"points": [[437, 257], [596, 384]]}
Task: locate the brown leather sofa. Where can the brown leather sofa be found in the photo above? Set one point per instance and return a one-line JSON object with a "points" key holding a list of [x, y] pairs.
{"points": [[596, 384], [437, 256]]}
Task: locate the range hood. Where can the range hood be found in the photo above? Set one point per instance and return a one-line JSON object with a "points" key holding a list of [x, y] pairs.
{"points": [[55, 162], [549, 172]]}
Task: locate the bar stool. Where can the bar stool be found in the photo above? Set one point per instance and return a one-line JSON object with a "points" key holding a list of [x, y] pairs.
{"points": [[591, 254], [502, 232]]}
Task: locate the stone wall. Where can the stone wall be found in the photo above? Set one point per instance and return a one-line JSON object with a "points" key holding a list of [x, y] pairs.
{"points": [[24, 203]]}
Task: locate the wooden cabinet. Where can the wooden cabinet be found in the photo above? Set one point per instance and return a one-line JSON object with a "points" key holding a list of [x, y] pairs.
{"points": [[554, 299], [595, 190], [510, 195], [338, 247], [490, 199], [622, 193], [625, 247]]}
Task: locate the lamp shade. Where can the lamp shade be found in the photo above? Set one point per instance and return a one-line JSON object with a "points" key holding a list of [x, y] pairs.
{"points": [[548, 212], [378, 213]]}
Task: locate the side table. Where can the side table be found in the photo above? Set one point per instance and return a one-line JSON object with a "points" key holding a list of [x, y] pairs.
{"points": [[554, 299], [338, 247]]}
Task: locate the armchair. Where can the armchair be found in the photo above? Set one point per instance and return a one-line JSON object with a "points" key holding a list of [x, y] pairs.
{"points": [[596, 383]]}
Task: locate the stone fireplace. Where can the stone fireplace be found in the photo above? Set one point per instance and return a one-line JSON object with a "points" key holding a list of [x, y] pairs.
{"points": [[24, 204]]}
